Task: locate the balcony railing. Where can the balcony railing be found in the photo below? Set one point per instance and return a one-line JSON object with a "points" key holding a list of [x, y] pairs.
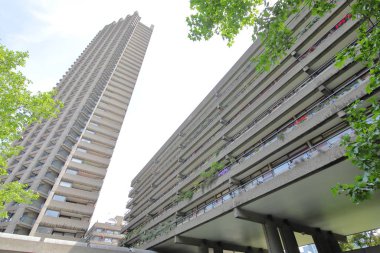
{"points": [[267, 176], [208, 121], [267, 112], [281, 101], [350, 85]]}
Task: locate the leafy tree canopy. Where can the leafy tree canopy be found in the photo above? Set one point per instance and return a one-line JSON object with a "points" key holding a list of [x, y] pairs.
{"points": [[268, 21], [18, 109]]}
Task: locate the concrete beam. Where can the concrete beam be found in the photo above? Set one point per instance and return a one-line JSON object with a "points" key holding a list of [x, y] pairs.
{"points": [[326, 91], [234, 181], [21, 244], [215, 245], [260, 218], [273, 238], [307, 70]]}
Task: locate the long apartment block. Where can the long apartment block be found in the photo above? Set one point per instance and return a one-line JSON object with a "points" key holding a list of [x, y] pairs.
{"points": [[65, 159], [106, 233], [276, 135]]}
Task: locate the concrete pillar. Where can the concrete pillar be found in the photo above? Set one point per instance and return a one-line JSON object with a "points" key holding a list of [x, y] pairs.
{"points": [[321, 242], [273, 238], [333, 242], [248, 250], [203, 248], [289, 240], [251, 250], [218, 250]]}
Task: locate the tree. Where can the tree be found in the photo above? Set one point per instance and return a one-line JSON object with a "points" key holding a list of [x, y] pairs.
{"points": [[268, 21], [19, 108], [361, 240]]}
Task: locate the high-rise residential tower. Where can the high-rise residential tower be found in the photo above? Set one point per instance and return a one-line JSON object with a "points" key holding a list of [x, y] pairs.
{"points": [[65, 159]]}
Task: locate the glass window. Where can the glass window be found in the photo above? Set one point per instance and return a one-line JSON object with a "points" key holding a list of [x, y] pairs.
{"points": [[76, 160], [52, 213], [99, 230], [44, 230], [86, 140], [66, 184], [96, 238], [59, 198], [108, 239], [82, 150], [72, 171]]}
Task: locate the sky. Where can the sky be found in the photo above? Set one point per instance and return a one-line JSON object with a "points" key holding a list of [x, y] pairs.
{"points": [[175, 76]]}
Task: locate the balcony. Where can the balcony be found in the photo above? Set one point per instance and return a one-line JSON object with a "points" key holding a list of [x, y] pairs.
{"points": [[352, 88], [64, 223], [71, 207], [239, 191], [88, 168], [82, 180], [76, 193]]}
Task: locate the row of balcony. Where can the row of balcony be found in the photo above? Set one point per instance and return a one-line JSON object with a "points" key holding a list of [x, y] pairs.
{"points": [[208, 122], [328, 67], [235, 192], [281, 132]]}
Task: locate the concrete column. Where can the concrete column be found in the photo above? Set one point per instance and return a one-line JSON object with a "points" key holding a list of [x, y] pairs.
{"points": [[203, 248], [289, 240], [248, 250], [273, 238], [321, 242], [333, 242], [218, 250], [251, 250]]}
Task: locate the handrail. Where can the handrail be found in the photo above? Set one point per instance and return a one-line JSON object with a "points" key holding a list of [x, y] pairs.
{"points": [[266, 112], [266, 176], [350, 84], [353, 83]]}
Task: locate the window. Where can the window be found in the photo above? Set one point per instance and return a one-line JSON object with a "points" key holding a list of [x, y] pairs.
{"points": [[90, 132], [82, 150], [99, 230], [59, 198], [108, 239], [85, 140], [44, 230], [66, 184], [76, 160], [52, 213], [96, 238], [72, 171]]}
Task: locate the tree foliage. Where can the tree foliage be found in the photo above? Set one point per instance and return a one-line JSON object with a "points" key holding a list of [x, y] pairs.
{"points": [[363, 150], [19, 108], [269, 24], [361, 240]]}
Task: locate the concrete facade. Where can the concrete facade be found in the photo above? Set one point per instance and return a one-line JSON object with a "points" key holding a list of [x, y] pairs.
{"points": [[277, 135], [65, 159], [106, 233], [26, 244]]}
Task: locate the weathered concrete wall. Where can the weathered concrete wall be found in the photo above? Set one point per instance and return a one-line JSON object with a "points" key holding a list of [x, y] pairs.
{"points": [[27, 244]]}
